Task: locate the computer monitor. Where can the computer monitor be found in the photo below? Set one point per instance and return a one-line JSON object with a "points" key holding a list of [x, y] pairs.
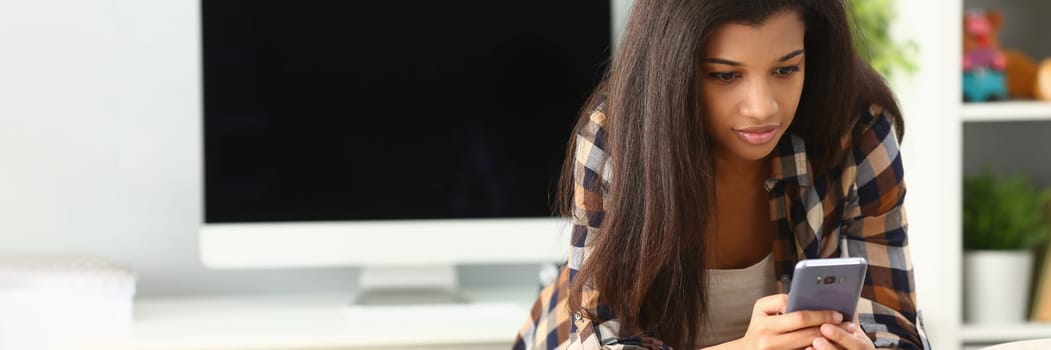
{"points": [[406, 136]]}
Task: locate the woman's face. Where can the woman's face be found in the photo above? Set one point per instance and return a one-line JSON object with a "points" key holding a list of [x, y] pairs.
{"points": [[751, 78]]}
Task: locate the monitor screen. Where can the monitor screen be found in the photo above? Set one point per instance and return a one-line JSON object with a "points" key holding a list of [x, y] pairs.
{"points": [[389, 110]]}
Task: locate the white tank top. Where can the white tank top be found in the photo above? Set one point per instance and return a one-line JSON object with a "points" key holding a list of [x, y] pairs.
{"points": [[731, 295]]}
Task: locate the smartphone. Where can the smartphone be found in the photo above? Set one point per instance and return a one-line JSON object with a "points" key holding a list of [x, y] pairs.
{"points": [[828, 284]]}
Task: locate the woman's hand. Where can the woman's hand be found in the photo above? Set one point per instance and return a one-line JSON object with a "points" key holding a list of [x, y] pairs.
{"points": [[846, 336], [771, 328]]}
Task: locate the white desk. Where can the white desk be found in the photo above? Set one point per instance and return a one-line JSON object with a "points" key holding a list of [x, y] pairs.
{"points": [[324, 322]]}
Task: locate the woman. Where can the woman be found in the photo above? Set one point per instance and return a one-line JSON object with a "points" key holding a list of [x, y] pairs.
{"points": [[730, 139]]}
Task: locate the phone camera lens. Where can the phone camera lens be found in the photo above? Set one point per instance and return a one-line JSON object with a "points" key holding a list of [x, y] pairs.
{"points": [[829, 280]]}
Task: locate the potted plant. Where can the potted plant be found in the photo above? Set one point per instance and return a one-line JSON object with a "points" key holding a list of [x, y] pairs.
{"points": [[1003, 221]]}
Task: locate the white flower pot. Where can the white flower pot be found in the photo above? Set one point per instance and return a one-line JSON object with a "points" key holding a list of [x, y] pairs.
{"points": [[996, 286]]}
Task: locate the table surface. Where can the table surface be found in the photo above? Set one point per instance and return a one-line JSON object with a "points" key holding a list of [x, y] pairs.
{"points": [[325, 321]]}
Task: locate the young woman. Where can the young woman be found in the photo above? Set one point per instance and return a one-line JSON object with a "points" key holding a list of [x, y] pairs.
{"points": [[730, 139]]}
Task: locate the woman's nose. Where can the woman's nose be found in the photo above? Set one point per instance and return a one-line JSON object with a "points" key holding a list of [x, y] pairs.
{"points": [[759, 102]]}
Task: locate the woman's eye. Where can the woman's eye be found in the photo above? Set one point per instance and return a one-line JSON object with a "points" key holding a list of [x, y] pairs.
{"points": [[786, 70], [724, 76]]}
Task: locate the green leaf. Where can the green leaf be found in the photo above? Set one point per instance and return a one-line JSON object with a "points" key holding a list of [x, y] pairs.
{"points": [[871, 20], [1004, 213]]}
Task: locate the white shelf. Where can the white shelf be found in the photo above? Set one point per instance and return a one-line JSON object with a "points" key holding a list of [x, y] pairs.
{"points": [[324, 321], [1006, 111], [973, 334]]}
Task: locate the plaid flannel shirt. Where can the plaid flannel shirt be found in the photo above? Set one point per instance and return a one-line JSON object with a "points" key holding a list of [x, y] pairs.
{"points": [[854, 209]]}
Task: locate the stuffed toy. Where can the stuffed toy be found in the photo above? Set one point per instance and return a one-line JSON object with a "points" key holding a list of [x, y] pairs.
{"points": [[1043, 81], [983, 61], [986, 66], [1021, 75], [1026, 79]]}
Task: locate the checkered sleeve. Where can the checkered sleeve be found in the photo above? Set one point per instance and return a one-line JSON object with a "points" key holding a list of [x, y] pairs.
{"points": [[551, 324], [876, 228]]}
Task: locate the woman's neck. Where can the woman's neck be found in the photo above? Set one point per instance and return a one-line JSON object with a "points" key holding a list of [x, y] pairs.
{"points": [[732, 170]]}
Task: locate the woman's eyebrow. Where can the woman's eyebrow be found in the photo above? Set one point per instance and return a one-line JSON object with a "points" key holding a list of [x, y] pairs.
{"points": [[721, 61], [786, 57], [790, 55]]}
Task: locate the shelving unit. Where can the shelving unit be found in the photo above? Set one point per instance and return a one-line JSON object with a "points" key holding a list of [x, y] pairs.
{"points": [[1006, 111], [1002, 333], [946, 138], [997, 133]]}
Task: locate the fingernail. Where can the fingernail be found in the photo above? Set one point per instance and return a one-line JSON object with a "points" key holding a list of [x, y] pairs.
{"points": [[837, 316], [826, 329], [851, 327]]}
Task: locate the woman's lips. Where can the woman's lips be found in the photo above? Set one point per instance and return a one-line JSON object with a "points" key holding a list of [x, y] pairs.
{"points": [[757, 135]]}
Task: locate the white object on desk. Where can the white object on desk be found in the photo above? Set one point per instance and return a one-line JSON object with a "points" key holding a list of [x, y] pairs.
{"points": [[325, 321], [49, 302]]}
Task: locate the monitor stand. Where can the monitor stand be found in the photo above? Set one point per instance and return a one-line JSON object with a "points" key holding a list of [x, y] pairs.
{"points": [[408, 285], [427, 298]]}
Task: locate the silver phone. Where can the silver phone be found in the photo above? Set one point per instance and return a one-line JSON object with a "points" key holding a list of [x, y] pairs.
{"points": [[828, 284]]}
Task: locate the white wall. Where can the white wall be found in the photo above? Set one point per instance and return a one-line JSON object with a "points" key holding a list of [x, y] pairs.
{"points": [[620, 9], [930, 152], [100, 140]]}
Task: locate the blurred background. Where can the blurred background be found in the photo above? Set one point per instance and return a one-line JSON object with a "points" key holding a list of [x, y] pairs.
{"points": [[101, 149]]}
